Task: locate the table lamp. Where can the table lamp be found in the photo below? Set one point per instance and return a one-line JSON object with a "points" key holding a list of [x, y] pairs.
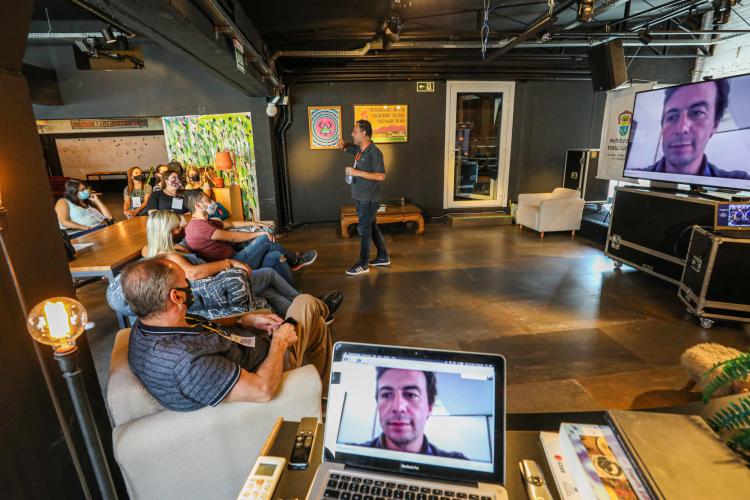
{"points": [[58, 322]]}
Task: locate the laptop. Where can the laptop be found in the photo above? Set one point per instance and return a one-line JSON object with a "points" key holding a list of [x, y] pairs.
{"points": [[413, 424]]}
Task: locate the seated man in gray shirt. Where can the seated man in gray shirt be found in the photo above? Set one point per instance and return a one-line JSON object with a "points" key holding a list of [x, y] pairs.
{"points": [[186, 363]]}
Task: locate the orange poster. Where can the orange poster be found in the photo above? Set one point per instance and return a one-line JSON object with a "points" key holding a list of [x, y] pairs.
{"points": [[389, 121]]}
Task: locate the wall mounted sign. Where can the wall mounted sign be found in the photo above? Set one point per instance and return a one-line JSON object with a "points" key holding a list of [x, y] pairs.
{"points": [[325, 126], [425, 86], [389, 121], [118, 123], [239, 55]]}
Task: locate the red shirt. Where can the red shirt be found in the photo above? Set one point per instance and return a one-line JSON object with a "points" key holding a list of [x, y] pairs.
{"points": [[198, 236]]}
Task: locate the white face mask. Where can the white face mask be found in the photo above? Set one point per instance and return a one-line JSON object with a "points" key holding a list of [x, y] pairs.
{"points": [[211, 208]]}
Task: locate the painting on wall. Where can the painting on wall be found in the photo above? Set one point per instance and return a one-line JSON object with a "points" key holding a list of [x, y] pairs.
{"points": [[325, 126], [195, 140], [389, 121]]}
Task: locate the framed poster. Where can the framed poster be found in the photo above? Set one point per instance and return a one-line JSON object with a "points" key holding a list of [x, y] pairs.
{"points": [[325, 126], [389, 121]]}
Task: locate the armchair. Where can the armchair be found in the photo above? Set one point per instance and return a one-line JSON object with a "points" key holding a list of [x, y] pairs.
{"points": [[207, 453], [560, 210]]}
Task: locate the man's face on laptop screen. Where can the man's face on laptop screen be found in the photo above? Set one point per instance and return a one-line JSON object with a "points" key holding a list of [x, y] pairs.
{"points": [[404, 407]]}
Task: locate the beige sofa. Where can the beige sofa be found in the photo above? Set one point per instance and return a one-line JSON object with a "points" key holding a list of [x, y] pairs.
{"points": [[201, 454], [560, 210]]}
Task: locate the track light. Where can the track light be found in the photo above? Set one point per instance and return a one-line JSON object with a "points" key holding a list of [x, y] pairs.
{"points": [[109, 37], [645, 37], [585, 10], [392, 29]]}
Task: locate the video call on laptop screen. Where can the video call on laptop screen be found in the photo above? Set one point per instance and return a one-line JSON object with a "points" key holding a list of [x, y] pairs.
{"points": [[416, 414]]}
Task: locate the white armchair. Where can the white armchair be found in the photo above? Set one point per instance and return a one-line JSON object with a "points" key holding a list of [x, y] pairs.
{"points": [[560, 210], [207, 453]]}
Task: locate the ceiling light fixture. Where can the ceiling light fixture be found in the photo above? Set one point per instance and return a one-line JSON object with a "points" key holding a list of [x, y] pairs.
{"points": [[109, 37], [645, 37], [585, 11]]}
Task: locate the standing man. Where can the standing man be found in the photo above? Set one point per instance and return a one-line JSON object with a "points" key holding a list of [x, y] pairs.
{"points": [[366, 174]]}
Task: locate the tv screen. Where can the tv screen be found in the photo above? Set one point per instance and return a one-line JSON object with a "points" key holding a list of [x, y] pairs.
{"points": [[698, 133]]}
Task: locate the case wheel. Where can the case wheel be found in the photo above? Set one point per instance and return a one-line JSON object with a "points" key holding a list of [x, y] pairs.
{"points": [[706, 323], [617, 264]]}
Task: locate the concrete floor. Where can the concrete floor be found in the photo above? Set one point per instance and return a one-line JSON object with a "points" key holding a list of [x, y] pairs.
{"points": [[577, 335]]}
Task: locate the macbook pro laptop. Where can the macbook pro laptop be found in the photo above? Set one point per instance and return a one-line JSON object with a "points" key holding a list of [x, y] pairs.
{"points": [[413, 424]]}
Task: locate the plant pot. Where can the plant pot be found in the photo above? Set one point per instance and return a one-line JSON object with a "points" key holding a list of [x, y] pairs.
{"points": [[218, 182]]}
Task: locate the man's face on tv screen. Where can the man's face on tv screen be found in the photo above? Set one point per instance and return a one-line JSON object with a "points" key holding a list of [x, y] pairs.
{"points": [[688, 122]]}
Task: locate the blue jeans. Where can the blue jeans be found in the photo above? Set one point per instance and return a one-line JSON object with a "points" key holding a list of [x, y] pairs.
{"points": [[267, 283], [262, 252], [368, 228]]}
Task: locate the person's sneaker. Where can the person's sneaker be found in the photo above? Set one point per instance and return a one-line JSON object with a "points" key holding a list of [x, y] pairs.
{"points": [[333, 300], [304, 259], [381, 261], [357, 269]]}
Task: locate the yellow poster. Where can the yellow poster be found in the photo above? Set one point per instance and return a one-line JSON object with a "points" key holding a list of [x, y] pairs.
{"points": [[389, 121]]}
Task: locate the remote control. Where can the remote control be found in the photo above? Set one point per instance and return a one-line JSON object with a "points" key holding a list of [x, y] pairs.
{"points": [[303, 443], [536, 486], [262, 481]]}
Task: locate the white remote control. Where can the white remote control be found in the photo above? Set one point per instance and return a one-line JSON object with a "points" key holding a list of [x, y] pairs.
{"points": [[262, 481], [536, 486]]}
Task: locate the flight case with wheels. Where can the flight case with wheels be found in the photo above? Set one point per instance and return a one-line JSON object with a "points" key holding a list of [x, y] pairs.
{"points": [[716, 280]]}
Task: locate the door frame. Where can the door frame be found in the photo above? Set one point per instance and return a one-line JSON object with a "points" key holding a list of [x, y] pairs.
{"points": [[506, 125]]}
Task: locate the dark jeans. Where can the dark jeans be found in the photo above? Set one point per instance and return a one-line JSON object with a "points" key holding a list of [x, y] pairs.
{"points": [[367, 228], [262, 252]]}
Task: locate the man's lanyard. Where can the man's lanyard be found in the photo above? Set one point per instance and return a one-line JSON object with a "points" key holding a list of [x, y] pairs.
{"points": [[216, 328], [359, 155]]}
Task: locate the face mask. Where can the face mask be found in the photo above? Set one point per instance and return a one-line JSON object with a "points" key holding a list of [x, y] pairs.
{"points": [[195, 178], [84, 195], [211, 208], [189, 298], [138, 178], [175, 183]]}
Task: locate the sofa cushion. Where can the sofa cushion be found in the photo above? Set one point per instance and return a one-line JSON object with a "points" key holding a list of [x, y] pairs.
{"points": [[127, 398]]}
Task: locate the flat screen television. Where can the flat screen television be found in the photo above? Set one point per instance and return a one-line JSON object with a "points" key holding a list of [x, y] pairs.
{"points": [[697, 133]]}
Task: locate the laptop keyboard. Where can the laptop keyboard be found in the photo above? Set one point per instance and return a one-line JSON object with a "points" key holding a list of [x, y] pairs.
{"points": [[347, 487]]}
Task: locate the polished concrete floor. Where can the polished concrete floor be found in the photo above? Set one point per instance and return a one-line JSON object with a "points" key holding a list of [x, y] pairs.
{"points": [[577, 334]]}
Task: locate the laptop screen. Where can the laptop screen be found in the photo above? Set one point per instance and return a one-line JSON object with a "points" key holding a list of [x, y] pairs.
{"points": [[423, 412]]}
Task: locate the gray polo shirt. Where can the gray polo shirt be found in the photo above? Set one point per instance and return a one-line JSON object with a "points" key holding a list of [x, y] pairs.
{"points": [[187, 368], [371, 160]]}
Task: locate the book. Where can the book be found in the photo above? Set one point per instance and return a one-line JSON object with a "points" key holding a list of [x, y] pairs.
{"points": [[598, 464], [564, 482], [679, 456]]}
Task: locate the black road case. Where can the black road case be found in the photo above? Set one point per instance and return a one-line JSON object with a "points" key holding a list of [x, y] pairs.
{"points": [[581, 166], [649, 230], [716, 279]]}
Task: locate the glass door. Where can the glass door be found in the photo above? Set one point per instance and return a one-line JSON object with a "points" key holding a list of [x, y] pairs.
{"points": [[478, 134]]}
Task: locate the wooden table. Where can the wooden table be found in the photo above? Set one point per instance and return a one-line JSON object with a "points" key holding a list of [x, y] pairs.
{"points": [[398, 213], [99, 175], [113, 247]]}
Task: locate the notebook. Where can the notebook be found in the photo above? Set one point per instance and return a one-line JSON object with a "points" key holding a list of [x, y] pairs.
{"points": [[408, 423]]}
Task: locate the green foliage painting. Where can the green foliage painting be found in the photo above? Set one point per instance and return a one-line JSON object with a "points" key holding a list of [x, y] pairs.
{"points": [[195, 140]]}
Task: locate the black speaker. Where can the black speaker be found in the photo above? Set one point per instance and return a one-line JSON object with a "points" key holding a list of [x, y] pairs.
{"points": [[607, 65]]}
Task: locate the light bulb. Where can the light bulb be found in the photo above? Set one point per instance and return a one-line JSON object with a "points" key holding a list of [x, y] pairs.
{"points": [[57, 322], [271, 110]]}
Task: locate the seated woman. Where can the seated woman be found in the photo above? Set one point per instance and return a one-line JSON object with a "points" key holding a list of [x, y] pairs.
{"points": [[196, 179], [159, 177], [168, 198], [136, 193], [80, 209], [163, 228]]}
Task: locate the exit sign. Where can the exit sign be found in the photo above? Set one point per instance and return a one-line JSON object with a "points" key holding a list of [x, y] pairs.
{"points": [[425, 86]]}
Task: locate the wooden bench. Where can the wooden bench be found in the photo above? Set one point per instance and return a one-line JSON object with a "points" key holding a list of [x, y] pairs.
{"points": [[406, 213]]}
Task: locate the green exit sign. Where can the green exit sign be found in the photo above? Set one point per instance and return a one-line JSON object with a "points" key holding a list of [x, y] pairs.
{"points": [[425, 86]]}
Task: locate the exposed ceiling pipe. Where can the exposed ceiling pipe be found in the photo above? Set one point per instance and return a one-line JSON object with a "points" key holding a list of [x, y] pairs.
{"points": [[107, 19], [65, 36], [322, 53], [708, 21], [253, 55], [554, 43]]}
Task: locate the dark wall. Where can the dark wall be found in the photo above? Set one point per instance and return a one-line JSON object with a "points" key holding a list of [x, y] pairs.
{"points": [[167, 86], [414, 169]]}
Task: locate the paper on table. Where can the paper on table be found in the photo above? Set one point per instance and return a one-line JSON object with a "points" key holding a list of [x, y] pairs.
{"points": [[81, 246]]}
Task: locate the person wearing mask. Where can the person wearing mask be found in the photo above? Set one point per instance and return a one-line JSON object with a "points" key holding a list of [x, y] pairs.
{"points": [[163, 229], [212, 240], [80, 209], [160, 171], [136, 193], [196, 180], [169, 198]]}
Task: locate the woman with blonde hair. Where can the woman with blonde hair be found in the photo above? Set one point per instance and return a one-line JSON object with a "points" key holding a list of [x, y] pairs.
{"points": [[164, 227]]}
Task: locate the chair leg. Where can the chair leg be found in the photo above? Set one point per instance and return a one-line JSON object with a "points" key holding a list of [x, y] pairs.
{"points": [[541, 235], [520, 227], [573, 234]]}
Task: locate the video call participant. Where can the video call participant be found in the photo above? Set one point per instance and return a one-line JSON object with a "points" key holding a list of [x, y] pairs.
{"points": [[366, 175], [690, 117], [404, 400]]}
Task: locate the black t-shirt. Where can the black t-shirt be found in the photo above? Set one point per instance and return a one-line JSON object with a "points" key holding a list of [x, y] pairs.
{"points": [[371, 160], [160, 200]]}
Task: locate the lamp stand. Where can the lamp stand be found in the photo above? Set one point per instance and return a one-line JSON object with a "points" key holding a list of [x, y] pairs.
{"points": [[67, 358]]}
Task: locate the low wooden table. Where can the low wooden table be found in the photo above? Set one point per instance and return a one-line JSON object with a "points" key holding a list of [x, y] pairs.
{"points": [[112, 248], [406, 213]]}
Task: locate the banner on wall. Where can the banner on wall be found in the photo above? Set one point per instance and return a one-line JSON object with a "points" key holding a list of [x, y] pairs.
{"points": [[618, 115], [389, 121]]}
